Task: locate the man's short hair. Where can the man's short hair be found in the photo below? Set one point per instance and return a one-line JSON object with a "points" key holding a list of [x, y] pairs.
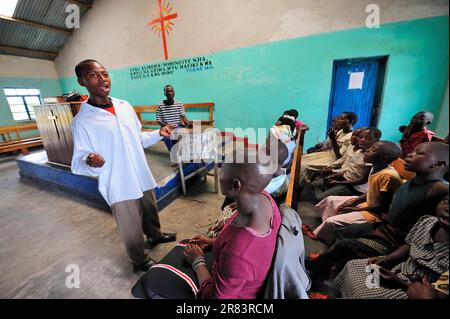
{"points": [[353, 118], [79, 67]]}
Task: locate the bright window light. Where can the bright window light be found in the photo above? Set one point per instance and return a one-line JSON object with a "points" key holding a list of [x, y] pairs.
{"points": [[7, 7]]}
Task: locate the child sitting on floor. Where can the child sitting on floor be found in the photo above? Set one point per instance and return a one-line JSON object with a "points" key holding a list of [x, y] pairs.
{"points": [[338, 211], [416, 132], [414, 199], [277, 188], [244, 249], [351, 178], [351, 151], [340, 141], [325, 145], [334, 167], [424, 256]]}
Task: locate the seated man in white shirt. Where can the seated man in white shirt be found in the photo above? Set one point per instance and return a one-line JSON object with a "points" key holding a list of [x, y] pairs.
{"points": [[109, 144]]}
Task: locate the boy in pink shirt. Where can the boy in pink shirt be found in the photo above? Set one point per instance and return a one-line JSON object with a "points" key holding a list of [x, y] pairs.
{"points": [[244, 249]]}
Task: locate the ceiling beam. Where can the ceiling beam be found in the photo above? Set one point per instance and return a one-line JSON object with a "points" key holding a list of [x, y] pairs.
{"points": [[81, 4], [36, 25], [22, 51]]}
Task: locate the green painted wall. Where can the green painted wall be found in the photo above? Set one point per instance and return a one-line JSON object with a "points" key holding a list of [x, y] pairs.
{"points": [[48, 87], [251, 86]]}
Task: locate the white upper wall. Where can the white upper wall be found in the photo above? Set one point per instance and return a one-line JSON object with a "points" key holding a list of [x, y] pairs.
{"points": [[21, 67], [115, 32]]}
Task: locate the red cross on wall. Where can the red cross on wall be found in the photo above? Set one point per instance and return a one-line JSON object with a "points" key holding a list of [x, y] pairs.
{"points": [[164, 24]]}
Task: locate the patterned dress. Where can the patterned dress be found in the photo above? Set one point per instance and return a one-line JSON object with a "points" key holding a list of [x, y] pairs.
{"points": [[427, 259]]}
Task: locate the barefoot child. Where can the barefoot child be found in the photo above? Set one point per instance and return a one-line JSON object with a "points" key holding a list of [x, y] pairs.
{"points": [[276, 188], [340, 141], [422, 258], [351, 178], [338, 211], [418, 197], [244, 249]]}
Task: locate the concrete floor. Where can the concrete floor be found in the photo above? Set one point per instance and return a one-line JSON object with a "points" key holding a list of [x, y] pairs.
{"points": [[43, 231]]}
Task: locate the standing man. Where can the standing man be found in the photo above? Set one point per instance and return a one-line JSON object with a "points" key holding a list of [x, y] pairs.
{"points": [[108, 144], [171, 113]]}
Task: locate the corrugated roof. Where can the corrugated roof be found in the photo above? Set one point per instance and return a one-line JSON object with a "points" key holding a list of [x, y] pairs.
{"points": [[47, 12]]}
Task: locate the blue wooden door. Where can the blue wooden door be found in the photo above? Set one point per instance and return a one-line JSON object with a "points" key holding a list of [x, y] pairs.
{"points": [[354, 88]]}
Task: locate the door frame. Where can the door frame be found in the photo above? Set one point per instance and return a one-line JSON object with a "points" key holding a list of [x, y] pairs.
{"points": [[379, 89]]}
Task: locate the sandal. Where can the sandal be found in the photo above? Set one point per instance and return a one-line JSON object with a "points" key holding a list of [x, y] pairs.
{"points": [[307, 231], [318, 295], [313, 256]]}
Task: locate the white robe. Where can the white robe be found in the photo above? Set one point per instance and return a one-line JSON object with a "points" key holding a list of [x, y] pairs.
{"points": [[125, 174]]}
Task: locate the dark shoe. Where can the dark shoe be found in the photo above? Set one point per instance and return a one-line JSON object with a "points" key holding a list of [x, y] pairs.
{"points": [[146, 265], [165, 238]]}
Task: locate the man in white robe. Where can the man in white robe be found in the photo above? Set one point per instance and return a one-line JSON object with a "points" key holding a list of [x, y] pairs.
{"points": [[109, 145]]}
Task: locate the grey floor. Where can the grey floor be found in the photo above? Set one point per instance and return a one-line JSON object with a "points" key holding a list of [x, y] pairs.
{"points": [[44, 231]]}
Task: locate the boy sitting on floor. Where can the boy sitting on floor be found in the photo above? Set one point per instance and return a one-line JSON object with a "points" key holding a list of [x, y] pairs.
{"points": [[340, 141], [414, 199], [423, 258], [322, 171], [277, 188], [416, 132], [338, 211], [351, 178], [325, 145]]}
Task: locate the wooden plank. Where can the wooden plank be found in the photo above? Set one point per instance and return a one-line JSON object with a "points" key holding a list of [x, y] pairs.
{"points": [[292, 197], [198, 105], [19, 127], [19, 144], [13, 142], [19, 147], [36, 25], [145, 108]]}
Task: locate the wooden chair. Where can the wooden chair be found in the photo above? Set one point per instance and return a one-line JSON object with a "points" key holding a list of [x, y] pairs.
{"points": [[292, 196], [13, 141]]}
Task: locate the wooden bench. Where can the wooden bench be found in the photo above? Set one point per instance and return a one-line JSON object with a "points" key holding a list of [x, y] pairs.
{"points": [[292, 195], [11, 139], [152, 109]]}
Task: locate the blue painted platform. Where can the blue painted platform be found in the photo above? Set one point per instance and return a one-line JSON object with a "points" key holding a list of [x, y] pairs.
{"points": [[35, 168]]}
